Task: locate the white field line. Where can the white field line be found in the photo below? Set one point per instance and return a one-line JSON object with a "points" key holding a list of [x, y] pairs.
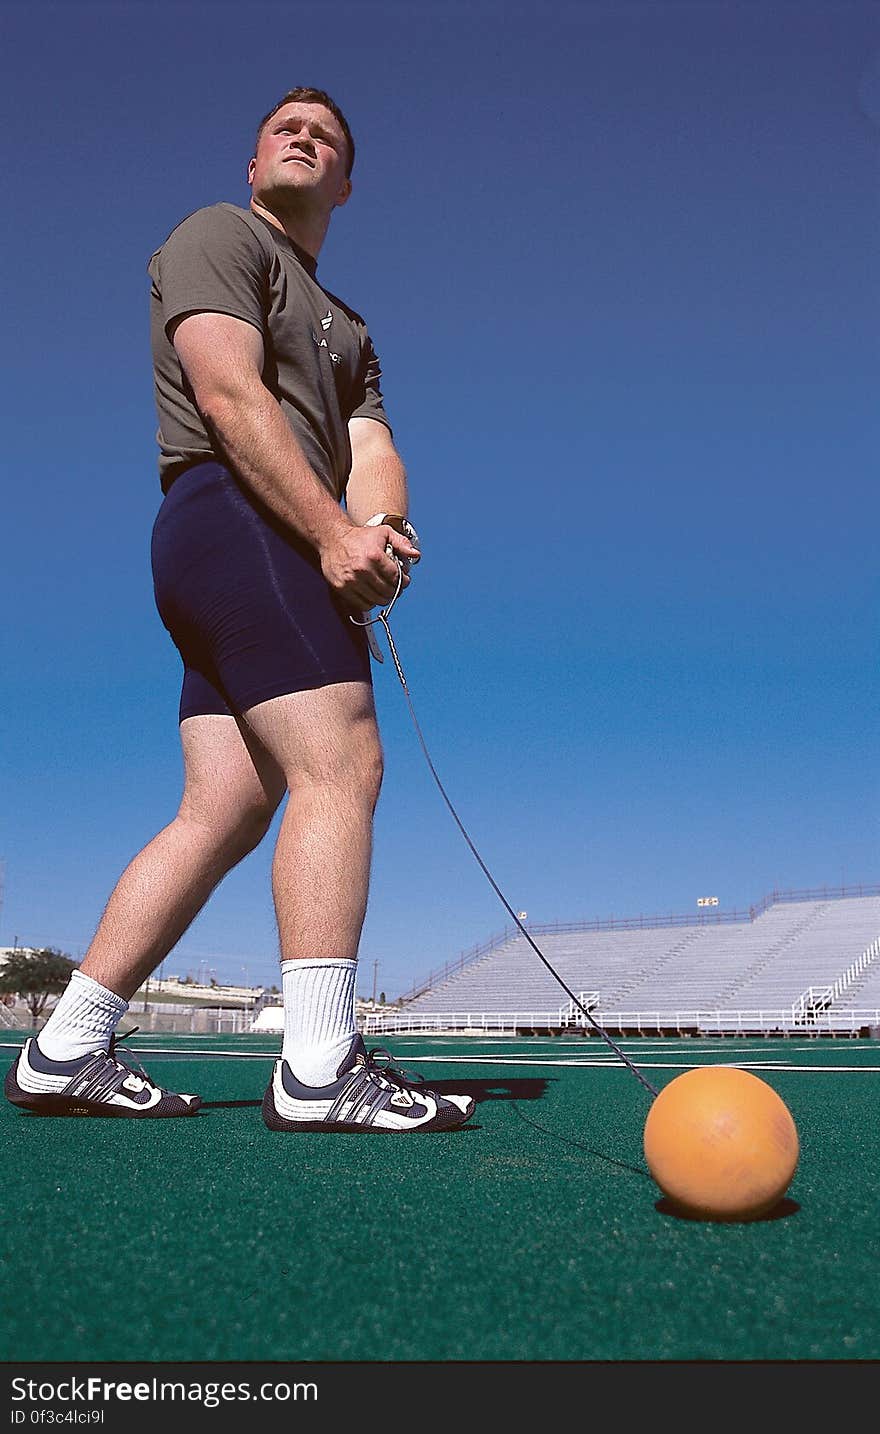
{"points": [[611, 1062], [178, 1051], [667, 1047], [557, 1045], [605, 1062]]}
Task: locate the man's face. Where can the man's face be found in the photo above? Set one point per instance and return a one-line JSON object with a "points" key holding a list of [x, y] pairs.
{"points": [[302, 149]]}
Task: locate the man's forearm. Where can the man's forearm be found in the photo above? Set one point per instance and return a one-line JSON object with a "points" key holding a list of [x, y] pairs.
{"points": [[377, 484], [259, 444]]}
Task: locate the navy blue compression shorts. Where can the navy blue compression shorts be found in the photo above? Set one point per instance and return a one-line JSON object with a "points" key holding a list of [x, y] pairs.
{"points": [[244, 599]]}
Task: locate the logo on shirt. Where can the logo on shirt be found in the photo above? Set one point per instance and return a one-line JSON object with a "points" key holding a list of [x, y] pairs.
{"points": [[326, 322], [323, 344]]}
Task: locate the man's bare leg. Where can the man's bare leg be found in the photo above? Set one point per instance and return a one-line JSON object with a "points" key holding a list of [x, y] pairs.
{"points": [[327, 744], [231, 791], [232, 788]]}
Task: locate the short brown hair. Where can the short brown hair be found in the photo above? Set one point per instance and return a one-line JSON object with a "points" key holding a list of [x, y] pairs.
{"points": [[310, 96]]}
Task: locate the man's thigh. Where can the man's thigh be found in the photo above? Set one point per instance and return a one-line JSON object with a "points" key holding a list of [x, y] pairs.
{"points": [[227, 768], [320, 733]]}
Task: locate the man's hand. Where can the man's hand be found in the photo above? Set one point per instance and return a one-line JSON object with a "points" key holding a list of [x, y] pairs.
{"points": [[356, 565]]}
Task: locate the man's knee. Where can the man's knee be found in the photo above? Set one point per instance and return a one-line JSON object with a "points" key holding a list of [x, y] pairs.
{"points": [[353, 770], [252, 825], [373, 772], [236, 826]]}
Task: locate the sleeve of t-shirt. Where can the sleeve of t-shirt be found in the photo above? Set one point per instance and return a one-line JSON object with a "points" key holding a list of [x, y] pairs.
{"points": [[213, 263], [367, 397]]}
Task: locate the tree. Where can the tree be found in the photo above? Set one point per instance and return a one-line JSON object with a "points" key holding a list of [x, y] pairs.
{"points": [[36, 975]]}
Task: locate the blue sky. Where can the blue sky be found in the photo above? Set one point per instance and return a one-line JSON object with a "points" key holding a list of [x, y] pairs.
{"points": [[620, 263]]}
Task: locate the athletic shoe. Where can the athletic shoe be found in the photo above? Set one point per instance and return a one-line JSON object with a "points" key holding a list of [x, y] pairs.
{"points": [[97, 1084], [366, 1096]]}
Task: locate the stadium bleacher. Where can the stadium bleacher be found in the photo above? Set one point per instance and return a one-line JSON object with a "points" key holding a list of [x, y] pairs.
{"points": [[798, 961]]}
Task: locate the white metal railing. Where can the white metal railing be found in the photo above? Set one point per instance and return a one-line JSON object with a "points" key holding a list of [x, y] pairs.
{"points": [[194, 1020], [810, 1002], [817, 999], [719, 1022], [399, 1023], [868, 956], [572, 1015]]}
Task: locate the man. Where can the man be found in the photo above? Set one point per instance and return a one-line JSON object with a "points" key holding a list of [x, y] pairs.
{"points": [[278, 467]]}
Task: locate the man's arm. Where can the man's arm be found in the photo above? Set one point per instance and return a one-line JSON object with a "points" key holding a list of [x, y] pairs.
{"points": [[223, 360], [377, 483]]}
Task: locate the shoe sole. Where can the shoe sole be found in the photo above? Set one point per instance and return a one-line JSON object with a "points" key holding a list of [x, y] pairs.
{"points": [[66, 1106], [273, 1121]]}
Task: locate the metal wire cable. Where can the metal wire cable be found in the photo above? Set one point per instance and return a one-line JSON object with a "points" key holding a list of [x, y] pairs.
{"points": [[383, 618]]}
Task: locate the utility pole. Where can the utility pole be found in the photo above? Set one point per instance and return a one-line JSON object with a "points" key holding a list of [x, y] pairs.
{"points": [[375, 969]]}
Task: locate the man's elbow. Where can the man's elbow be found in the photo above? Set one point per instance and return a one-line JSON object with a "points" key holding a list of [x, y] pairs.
{"points": [[220, 400], [371, 441]]}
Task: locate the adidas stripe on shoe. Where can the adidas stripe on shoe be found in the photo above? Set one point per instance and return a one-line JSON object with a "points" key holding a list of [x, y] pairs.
{"points": [[367, 1095], [98, 1084]]}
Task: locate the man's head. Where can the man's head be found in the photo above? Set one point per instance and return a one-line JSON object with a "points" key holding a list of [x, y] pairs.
{"points": [[301, 168]]}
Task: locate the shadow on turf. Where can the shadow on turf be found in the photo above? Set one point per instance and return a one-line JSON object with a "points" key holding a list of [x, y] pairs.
{"points": [[516, 1088], [782, 1211], [588, 1149]]}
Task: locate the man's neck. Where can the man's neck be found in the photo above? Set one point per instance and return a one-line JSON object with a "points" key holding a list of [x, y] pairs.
{"points": [[306, 230]]}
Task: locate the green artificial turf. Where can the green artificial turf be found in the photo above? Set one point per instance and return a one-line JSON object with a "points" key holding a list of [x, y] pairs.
{"points": [[534, 1234]]}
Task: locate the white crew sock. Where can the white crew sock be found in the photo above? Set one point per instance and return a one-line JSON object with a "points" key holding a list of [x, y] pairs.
{"points": [[318, 1017], [83, 1020]]}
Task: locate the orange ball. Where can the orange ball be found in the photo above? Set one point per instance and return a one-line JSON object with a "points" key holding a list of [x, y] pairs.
{"points": [[721, 1144]]}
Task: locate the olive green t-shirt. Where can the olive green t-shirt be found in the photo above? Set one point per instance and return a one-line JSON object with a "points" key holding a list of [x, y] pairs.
{"points": [[319, 361]]}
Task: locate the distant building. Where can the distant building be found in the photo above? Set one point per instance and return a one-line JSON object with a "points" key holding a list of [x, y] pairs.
{"points": [[7, 951]]}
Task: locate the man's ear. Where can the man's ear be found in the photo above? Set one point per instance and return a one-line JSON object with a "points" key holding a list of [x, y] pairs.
{"points": [[252, 164], [344, 194]]}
